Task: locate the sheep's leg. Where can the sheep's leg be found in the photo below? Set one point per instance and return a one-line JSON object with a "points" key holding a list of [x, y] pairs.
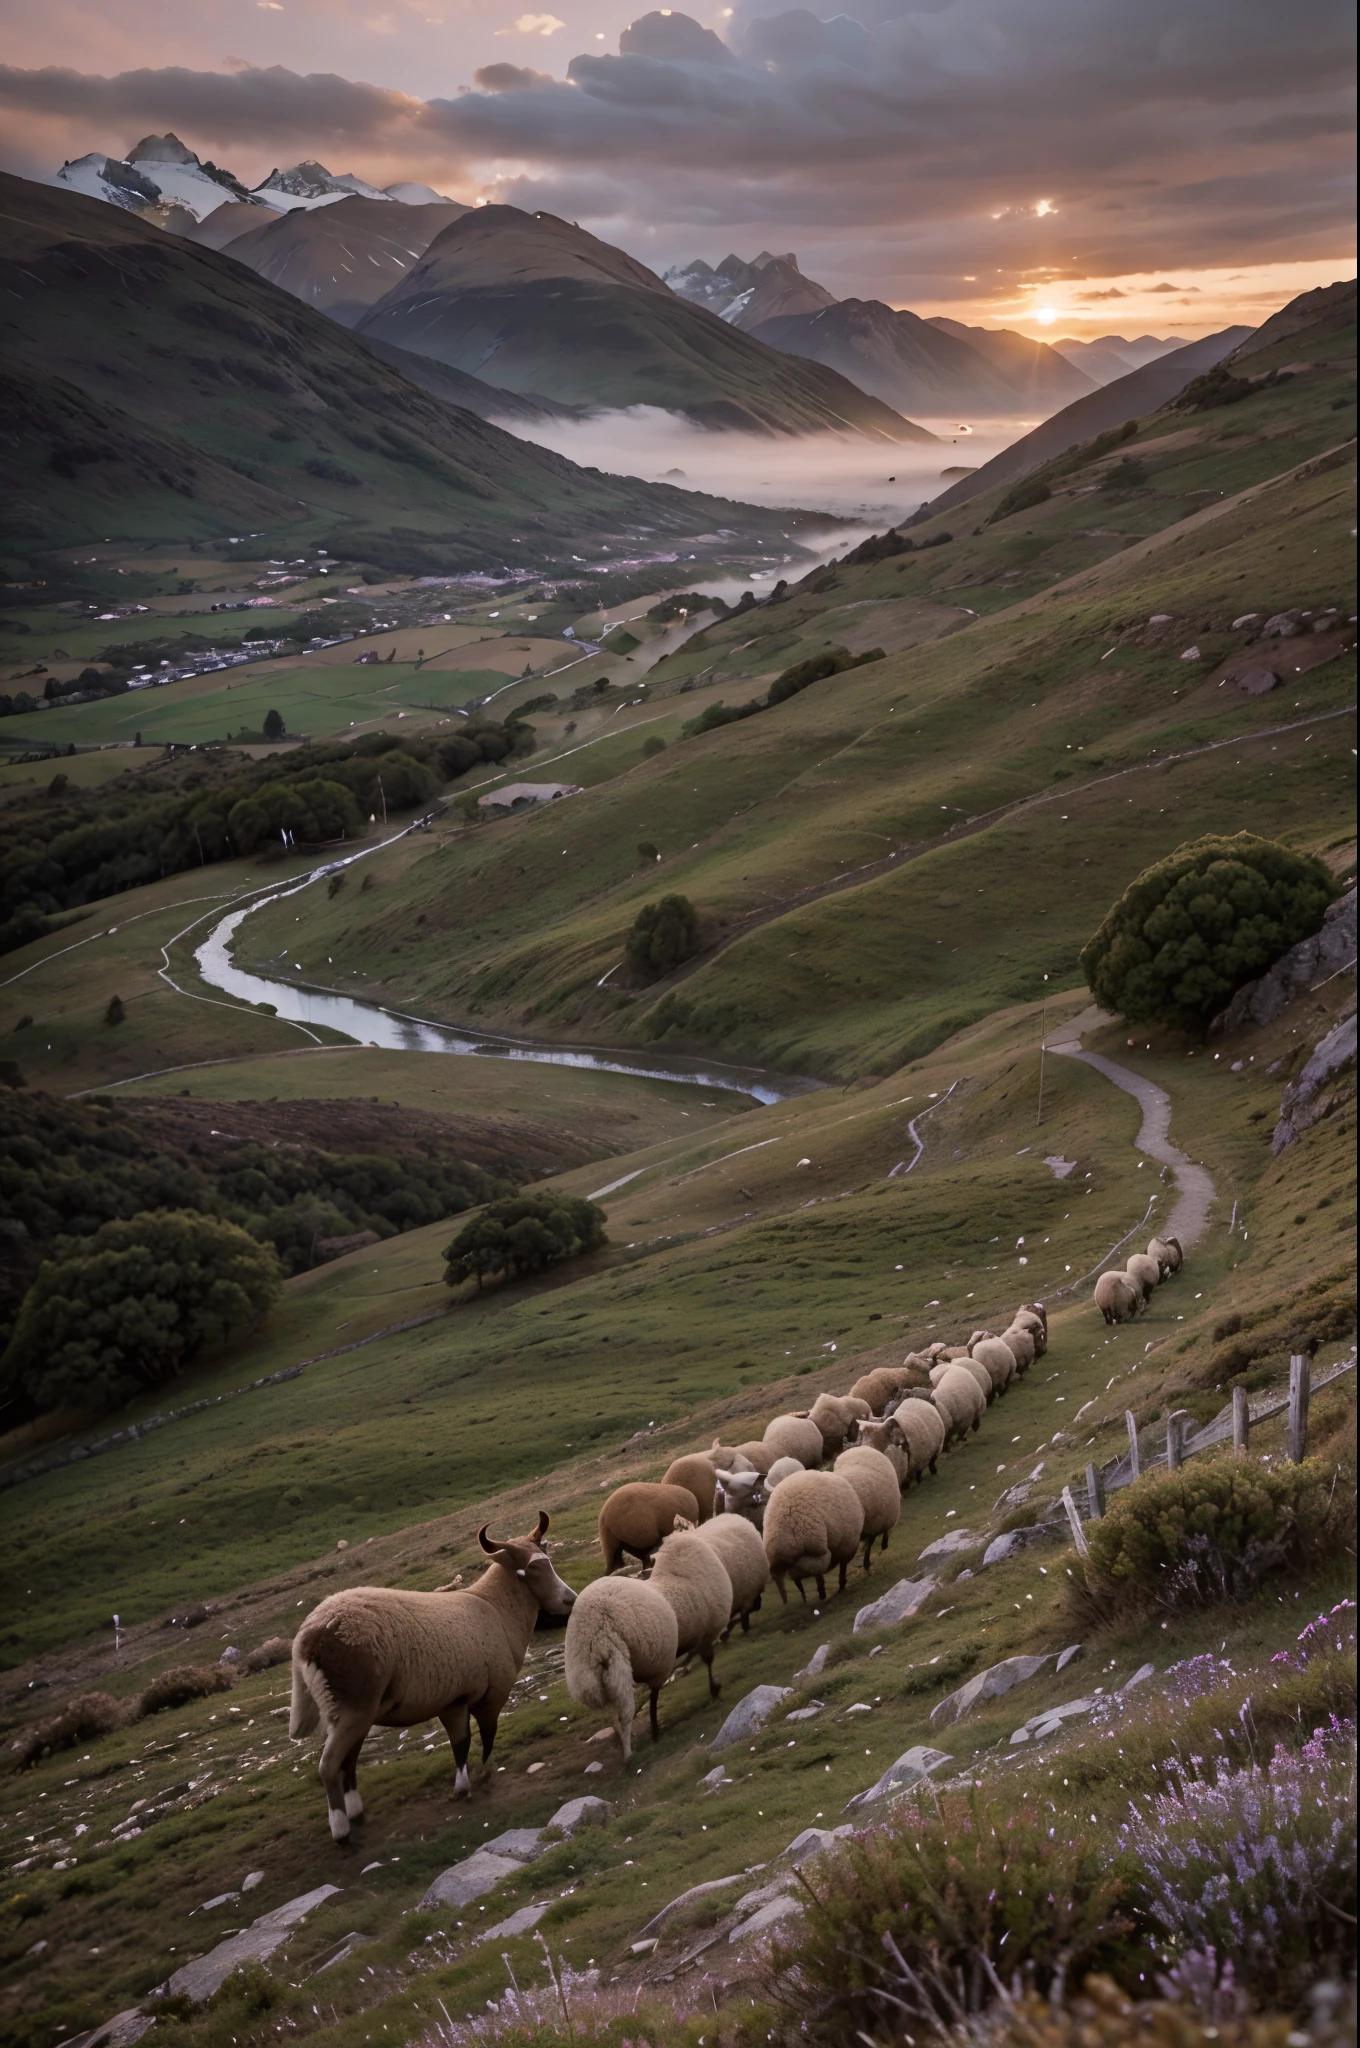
{"points": [[655, 1695], [459, 1732], [487, 1714], [840, 1588], [821, 1587], [745, 1624], [884, 1544], [354, 1805], [344, 1735], [706, 1652], [868, 1553], [778, 1578]]}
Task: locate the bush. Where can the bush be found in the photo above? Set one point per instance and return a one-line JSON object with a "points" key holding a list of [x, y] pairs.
{"points": [[120, 1312], [276, 1650], [1127, 475], [274, 727], [1208, 1532], [88, 1715], [1256, 1868], [523, 1234], [1021, 498], [653, 746], [942, 1898], [835, 661], [180, 1684], [1192, 929], [662, 937]]}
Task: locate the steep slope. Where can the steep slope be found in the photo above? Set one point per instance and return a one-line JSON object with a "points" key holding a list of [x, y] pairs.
{"points": [[156, 389], [455, 387], [343, 258], [533, 303], [1326, 317], [1037, 372], [904, 360], [228, 222], [746, 294], [1128, 398]]}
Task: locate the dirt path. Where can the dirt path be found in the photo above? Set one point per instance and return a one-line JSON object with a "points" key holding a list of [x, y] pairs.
{"points": [[1189, 1219]]}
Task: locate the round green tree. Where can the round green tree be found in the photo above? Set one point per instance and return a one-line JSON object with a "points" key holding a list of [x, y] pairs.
{"points": [[116, 1314], [1193, 928], [523, 1234], [662, 936]]}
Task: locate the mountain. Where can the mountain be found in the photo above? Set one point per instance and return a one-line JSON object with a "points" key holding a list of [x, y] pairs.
{"points": [[474, 394], [908, 362], [157, 390], [1129, 398], [535, 304], [158, 178], [415, 195], [1112, 355], [228, 222], [311, 184], [1034, 370], [342, 258], [1323, 314], [745, 294]]}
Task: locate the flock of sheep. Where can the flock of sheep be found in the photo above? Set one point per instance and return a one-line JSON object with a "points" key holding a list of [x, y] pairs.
{"points": [[816, 1489]]}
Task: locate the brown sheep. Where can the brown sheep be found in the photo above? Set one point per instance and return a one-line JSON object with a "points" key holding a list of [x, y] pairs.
{"points": [[697, 1475], [636, 1518], [759, 1457], [878, 1387], [1116, 1297]]}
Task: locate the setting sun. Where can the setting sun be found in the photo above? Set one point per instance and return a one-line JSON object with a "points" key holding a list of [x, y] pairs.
{"points": [[1046, 315]]}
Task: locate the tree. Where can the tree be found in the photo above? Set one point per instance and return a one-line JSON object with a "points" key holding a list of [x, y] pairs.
{"points": [[274, 727], [118, 1313], [662, 936], [115, 1012], [1192, 929], [523, 1234], [647, 850]]}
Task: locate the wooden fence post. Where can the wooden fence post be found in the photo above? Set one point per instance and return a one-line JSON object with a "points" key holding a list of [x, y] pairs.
{"points": [[1078, 1533], [1131, 1420], [1241, 1422], [1173, 1442], [1300, 1386], [1095, 1493]]}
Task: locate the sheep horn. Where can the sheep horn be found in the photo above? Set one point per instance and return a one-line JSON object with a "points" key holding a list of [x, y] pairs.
{"points": [[491, 1549], [544, 1524]]}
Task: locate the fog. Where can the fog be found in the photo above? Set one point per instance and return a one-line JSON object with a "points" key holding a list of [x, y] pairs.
{"points": [[869, 481]]}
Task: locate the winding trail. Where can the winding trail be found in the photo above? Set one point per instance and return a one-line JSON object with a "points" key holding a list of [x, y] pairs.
{"points": [[1196, 1193]]}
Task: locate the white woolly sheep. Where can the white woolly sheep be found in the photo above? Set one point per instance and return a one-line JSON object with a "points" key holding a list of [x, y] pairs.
{"points": [[997, 1359], [888, 1438], [1021, 1345], [1168, 1254], [833, 1414], [741, 1493], [739, 1546], [875, 1481], [759, 1456], [378, 1656], [782, 1469], [1145, 1273], [698, 1476], [722, 1457], [812, 1521], [976, 1371], [923, 1428], [621, 1634], [960, 1401], [1116, 1297], [638, 1516], [1033, 1316], [691, 1576], [795, 1436], [878, 1387]]}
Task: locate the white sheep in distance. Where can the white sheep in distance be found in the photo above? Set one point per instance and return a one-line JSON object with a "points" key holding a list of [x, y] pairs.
{"points": [[782, 1469], [812, 1522], [738, 1544], [1022, 1347], [795, 1436], [976, 1371], [690, 1575], [1168, 1254], [697, 1474], [1145, 1274], [960, 1401], [880, 1495], [1033, 1316], [635, 1518], [997, 1359], [1117, 1298], [923, 1430], [833, 1414], [621, 1634], [377, 1656]]}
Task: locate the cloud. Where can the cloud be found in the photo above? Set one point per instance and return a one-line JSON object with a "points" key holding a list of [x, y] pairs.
{"points": [[510, 78], [1173, 288], [538, 25], [1095, 298]]}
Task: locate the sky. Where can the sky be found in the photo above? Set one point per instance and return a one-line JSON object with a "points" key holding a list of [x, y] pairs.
{"points": [[1060, 166]]}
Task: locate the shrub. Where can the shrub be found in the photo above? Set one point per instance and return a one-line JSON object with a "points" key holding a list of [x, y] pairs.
{"points": [[115, 1013], [276, 1650], [81, 1719], [523, 1234], [662, 936], [274, 727], [835, 661], [180, 1684], [947, 1894], [1258, 1865], [1208, 1532], [647, 850], [1129, 474], [1025, 495], [1192, 929], [653, 746], [120, 1312]]}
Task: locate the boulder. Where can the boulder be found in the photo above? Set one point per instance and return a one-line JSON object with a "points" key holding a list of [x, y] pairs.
{"points": [[522, 1922], [586, 1812], [1256, 681], [521, 1844], [911, 1767], [1140, 1677], [1295, 972], [464, 1882], [119, 2032], [899, 1603], [696, 1891], [254, 1944], [1282, 625], [765, 1917], [807, 1713], [950, 1545], [991, 1684], [1307, 1100], [1016, 1540], [711, 1780], [749, 1716], [816, 1662], [1051, 1722], [811, 1843]]}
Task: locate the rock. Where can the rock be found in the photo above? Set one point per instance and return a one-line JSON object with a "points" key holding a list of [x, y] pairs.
{"points": [[192, 1617], [1060, 1167], [766, 1917], [222, 1899], [1074, 1650], [1256, 681], [351, 1944], [534, 1768], [696, 1891], [251, 1879], [463, 1882], [230, 1657], [807, 1713], [643, 1948], [717, 1776], [1295, 972], [1050, 1723], [254, 1944], [966, 1573], [1246, 619], [523, 1844], [749, 1716], [950, 1545], [1304, 1103], [119, 2032], [586, 1812], [522, 1922], [899, 1603], [811, 1843], [991, 1684], [911, 1767], [1140, 1677], [816, 1662], [1191, 654], [591, 1769], [1281, 625], [1016, 1540]]}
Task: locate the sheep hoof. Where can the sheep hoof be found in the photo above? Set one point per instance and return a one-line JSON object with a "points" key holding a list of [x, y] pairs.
{"points": [[354, 1805], [462, 1784], [339, 1824]]}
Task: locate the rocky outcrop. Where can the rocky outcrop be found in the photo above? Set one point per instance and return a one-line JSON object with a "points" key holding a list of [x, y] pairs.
{"points": [[996, 1681], [1295, 972], [749, 1716], [899, 1603], [1312, 1096], [910, 1768]]}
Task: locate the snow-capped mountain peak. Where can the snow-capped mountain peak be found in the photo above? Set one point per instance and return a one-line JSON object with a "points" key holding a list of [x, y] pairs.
{"points": [[311, 184]]}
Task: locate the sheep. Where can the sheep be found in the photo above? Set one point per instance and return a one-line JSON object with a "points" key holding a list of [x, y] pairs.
{"points": [[1116, 1297], [960, 1401], [976, 1371], [878, 1387], [1021, 1345], [795, 1436], [782, 1469], [874, 1479], [923, 1428], [833, 1415], [888, 1438], [621, 1634], [376, 1655], [739, 1546], [997, 1359], [742, 1493], [636, 1517], [690, 1575], [813, 1521], [697, 1475], [758, 1456], [1145, 1273], [725, 1458], [1032, 1316], [1168, 1254]]}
